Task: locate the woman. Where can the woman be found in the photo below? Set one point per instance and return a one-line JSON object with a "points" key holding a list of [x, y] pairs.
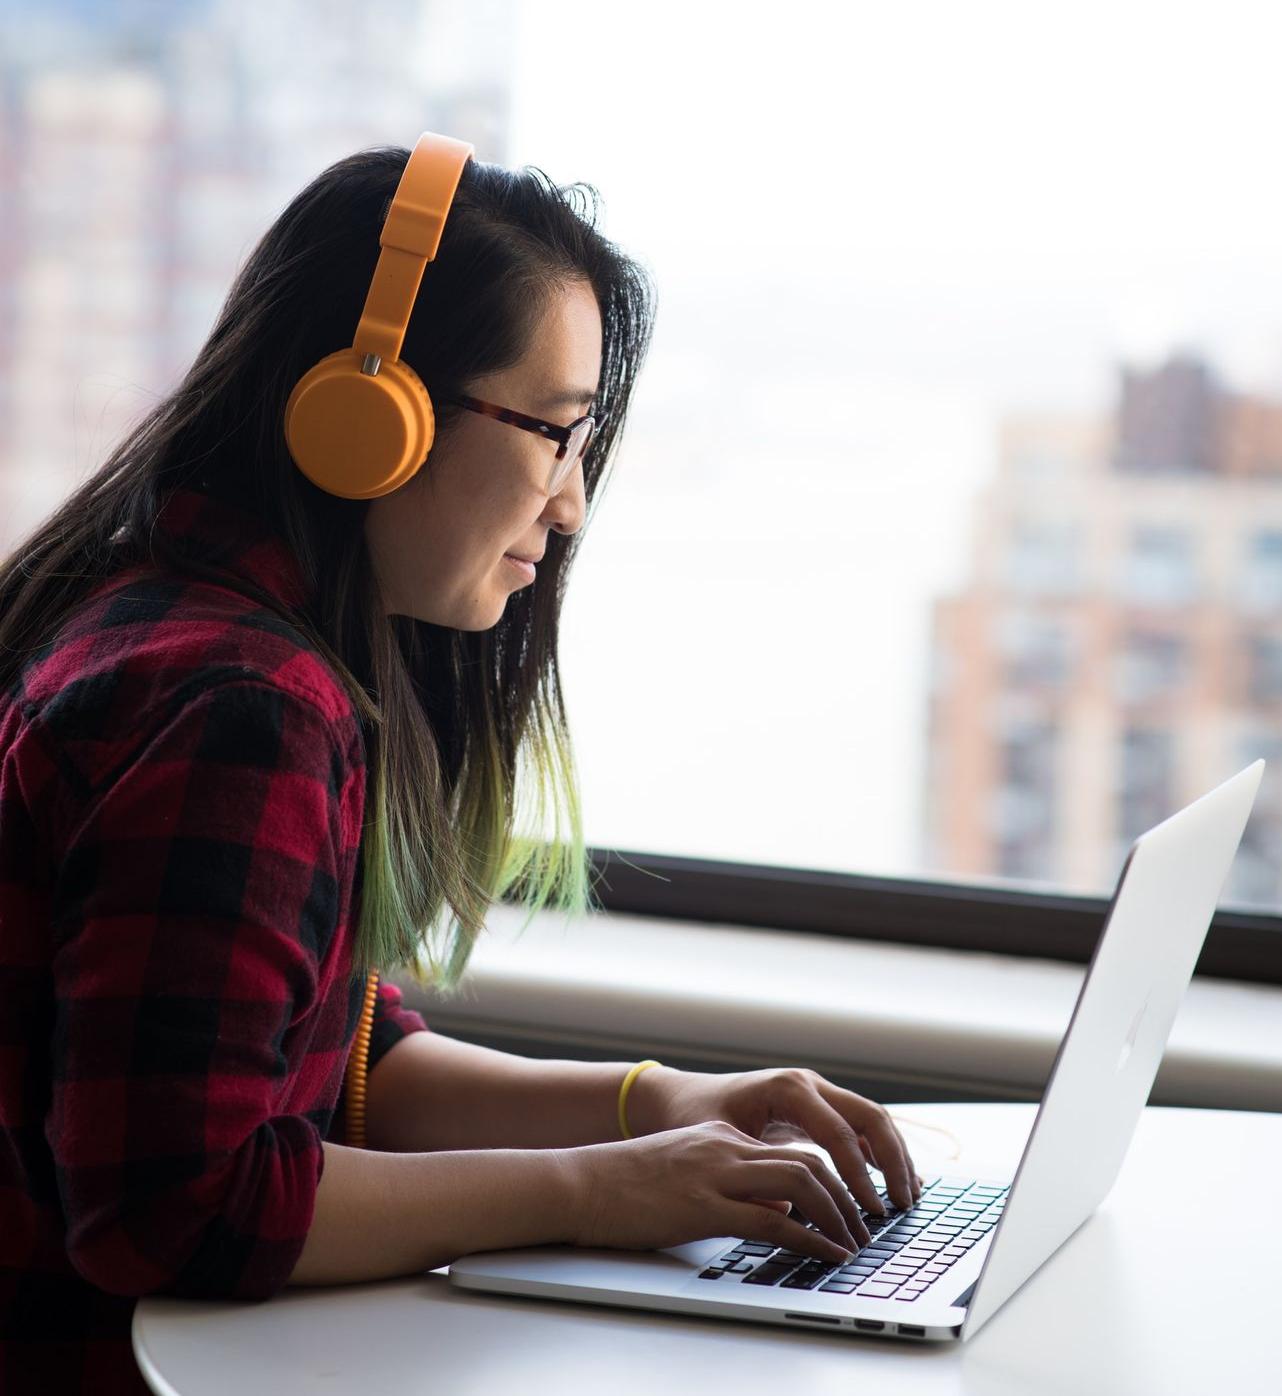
{"points": [[259, 740]]}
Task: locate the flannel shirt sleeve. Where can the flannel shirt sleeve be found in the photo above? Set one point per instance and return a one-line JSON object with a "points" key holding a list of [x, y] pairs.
{"points": [[198, 891], [392, 1021]]}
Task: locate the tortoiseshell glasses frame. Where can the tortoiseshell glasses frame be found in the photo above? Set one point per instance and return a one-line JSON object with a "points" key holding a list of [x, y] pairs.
{"points": [[572, 441]]}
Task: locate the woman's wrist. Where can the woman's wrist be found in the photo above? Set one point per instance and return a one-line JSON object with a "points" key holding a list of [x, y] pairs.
{"points": [[643, 1107]]}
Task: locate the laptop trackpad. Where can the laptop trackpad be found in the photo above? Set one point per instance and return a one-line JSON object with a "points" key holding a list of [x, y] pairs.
{"points": [[606, 1268]]}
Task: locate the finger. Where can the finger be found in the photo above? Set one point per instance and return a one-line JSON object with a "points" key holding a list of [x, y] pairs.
{"points": [[853, 1116], [795, 1178], [871, 1155], [756, 1223], [836, 1189], [841, 1139]]}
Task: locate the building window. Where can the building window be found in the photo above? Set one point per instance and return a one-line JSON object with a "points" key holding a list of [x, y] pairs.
{"points": [[1255, 876], [1150, 665], [1262, 575], [1265, 667], [1023, 806], [1147, 794], [1042, 559], [1159, 567], [1036, 650]]}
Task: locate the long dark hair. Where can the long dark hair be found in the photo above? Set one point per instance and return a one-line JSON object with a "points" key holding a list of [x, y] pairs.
{"points": [[451, 718]]}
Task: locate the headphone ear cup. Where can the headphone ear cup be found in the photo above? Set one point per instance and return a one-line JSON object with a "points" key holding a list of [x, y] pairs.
{"points": [[359, 435]]}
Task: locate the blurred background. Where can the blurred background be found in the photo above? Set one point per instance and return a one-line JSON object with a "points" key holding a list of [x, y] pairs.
{"points": [[946, 537]]}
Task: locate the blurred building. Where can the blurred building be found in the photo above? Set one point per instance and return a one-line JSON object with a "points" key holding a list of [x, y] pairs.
{"points": [[1117, 649], [144, 150]]}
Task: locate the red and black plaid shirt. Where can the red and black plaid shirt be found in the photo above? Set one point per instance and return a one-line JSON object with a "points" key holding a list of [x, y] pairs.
{"points": [[182, 780]]}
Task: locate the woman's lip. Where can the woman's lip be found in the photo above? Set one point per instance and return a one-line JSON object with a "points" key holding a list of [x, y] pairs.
{"points": [[527, 568]]}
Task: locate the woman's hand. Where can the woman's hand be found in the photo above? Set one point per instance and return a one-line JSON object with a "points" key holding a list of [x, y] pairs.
{"points": [[783, 1105], [702, 1180]]}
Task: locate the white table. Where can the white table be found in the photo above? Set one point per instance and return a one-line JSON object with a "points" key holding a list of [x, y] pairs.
{"points": [[1142, 1299]]}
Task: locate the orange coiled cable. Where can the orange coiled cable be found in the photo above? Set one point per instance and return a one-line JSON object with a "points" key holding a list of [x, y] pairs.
{"points": [[354, 1086]]}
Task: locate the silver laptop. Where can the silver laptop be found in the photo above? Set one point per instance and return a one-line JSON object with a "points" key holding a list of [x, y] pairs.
{"points": [[939, 1270]]}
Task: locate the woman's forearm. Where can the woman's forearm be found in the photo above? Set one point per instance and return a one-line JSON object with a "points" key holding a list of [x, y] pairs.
{"points": [[379, 1215], [430, 1091]]}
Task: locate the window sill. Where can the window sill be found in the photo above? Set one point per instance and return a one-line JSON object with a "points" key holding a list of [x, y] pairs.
{"points": [[929, 1023]]}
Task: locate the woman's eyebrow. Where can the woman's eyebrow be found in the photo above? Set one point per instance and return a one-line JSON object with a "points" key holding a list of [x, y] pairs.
{"points": [[571, 398]]}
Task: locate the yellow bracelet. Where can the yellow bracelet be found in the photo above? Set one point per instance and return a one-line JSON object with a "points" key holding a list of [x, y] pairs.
{"points": [[632, 1075]]}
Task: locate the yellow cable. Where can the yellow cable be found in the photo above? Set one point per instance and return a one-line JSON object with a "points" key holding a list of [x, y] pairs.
{"points": [[354, 1089]]}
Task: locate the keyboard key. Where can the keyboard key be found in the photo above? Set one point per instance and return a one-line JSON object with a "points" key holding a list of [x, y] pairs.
{"points": [[755, 1248], [838, 1287], [710, 1274], [905, 1297], [740, 1267], [767, 1274], [878, 1291]]}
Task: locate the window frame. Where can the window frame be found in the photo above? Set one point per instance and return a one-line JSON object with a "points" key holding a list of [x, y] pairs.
{"points": [[1240, 944]]}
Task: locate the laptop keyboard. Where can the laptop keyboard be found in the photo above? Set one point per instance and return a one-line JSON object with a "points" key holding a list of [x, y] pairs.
{"points": [[908, 1251]]}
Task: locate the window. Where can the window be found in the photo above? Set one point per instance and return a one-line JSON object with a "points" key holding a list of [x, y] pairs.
{"points": [[1037, 649], [920, 452], [1255, 876], [1147, 784], [1159, 567], [1266, 669], [1024, 801], [1152, 665], [1262, 572], [1042, 559]]}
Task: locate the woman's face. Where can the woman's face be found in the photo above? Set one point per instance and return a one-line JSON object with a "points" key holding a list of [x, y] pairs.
{"points": [[438, 542]]}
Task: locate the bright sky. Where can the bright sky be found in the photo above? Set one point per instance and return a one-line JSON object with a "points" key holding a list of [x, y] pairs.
{"points": [[899, 221], [1116, 157]]}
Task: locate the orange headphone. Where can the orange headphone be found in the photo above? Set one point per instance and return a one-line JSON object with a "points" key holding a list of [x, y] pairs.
{"points": [[360, 422]]}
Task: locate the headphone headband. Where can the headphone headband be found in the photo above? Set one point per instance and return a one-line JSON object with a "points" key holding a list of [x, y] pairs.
{"points": [[411, 234]]}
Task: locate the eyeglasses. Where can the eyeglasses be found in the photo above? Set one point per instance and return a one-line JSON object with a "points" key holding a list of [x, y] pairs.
{"points": [[572, 441]]}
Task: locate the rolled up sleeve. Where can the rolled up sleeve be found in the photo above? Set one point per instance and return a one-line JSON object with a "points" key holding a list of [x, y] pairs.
{"points": [[392, 1021], [196, 899]]}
